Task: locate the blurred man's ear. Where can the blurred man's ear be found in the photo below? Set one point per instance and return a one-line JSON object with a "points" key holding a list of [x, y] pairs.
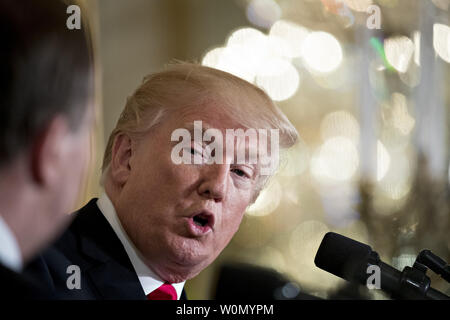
{"points": [[120, 159], [48, 151]]}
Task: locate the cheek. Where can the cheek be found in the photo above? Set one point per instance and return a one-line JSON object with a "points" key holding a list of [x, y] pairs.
{"points": [[177, 181], [157, 185], [232, 221]]}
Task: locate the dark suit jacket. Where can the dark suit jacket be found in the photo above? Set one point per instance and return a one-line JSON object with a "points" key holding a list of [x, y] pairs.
{"points": [[15, 286], [92, 245]]}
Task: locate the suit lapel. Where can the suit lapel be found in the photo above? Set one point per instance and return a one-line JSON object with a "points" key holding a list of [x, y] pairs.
{"points": [[111, 271], [116, 282]]}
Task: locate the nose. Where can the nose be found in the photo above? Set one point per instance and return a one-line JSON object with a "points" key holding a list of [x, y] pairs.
{"points": [[214, 182]]}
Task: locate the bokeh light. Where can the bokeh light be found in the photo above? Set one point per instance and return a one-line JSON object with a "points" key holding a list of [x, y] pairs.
{"points": [[322, 52], [397, 182], [257, 58], [229, 59], [441, 41], [400, 117], [212, 58], [399, 51], [292, 33], [279, 78], [263, 13], [340, 123], [277, 47], [336, 160], [248, 37], [383, 160]]}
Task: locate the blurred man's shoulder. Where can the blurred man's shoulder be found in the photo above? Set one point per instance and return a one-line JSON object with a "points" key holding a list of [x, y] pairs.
{"points": [[88, 261], [65, 258], [17, 286]]}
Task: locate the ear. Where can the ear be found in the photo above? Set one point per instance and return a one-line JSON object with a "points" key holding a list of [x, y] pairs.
{"points": [[121, 156], [48, 152]]}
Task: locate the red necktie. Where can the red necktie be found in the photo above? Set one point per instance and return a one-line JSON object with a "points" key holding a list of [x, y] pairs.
{"points": [[165, 292]]}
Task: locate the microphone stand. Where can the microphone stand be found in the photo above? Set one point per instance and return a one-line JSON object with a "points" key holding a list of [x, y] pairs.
{"points": [[415, 284]]}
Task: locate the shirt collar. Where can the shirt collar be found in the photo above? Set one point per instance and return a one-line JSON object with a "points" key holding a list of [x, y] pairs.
{"points": [[10, 254], [148, 279]]}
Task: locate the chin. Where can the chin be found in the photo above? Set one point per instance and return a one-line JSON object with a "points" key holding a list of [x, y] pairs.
{"points": [[185, 266], [177, 273]]}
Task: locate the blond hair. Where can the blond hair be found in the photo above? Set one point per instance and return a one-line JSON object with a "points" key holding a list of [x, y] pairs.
{"points": [[188, 85]]}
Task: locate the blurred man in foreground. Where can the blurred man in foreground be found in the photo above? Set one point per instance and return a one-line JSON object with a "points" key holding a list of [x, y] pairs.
{"points": [[46, 92], [178, 175]]}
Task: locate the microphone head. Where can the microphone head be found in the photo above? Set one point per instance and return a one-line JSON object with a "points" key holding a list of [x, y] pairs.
{"points": [[343, 257]]}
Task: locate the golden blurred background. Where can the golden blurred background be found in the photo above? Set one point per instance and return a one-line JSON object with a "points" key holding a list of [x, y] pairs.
{"points": [[364, 82]]}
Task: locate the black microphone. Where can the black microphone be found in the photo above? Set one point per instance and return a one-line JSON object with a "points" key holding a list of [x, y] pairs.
{"points": [[356, 262]]}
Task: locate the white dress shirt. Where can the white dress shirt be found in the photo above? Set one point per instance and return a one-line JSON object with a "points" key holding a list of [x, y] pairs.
{"points": [[10, 255], [148, 279]]}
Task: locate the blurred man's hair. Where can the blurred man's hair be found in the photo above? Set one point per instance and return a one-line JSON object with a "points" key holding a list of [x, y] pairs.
{"points": [[192, 85], [46, 70]]}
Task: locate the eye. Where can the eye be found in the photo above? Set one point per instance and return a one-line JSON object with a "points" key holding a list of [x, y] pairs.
{"points": [[195, 151], [240, 173], [196, 155]]}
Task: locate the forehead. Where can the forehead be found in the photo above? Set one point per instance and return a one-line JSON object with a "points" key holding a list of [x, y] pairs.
{"points": [[212, 115]]}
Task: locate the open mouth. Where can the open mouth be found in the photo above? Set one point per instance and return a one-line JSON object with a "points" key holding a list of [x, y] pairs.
{"points": [[201, 223], [201, 220]]}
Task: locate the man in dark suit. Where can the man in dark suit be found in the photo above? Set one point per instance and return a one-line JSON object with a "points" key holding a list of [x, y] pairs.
{"points": [[169, 207], [46, 91]]}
